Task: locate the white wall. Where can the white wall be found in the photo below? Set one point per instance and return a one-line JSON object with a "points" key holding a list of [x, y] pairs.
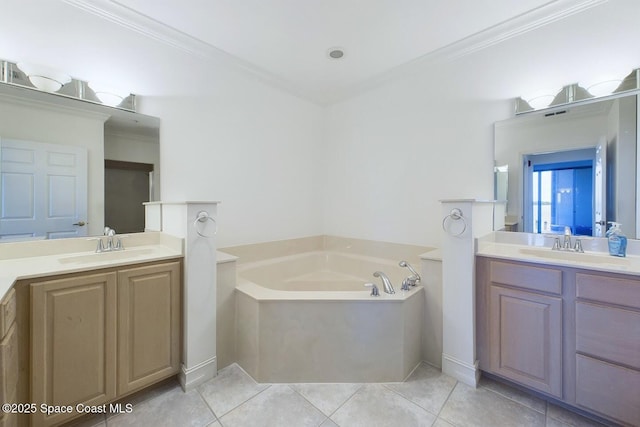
{"points": [[126, 146], [373, 166], [41, 123], [625, 180], [427, 135], [255, 148]]}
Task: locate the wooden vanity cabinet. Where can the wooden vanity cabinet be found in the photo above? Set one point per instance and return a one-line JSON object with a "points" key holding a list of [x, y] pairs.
{"points": [[73, 342], [522, 315], [608, 345], [8, 358], [98, 336], [572, 334], [148, 325]]}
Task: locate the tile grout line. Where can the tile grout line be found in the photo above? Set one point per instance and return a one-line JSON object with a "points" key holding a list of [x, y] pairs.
{"points": [[406, 398], [208, 406], [240, 404], [345, 401], [339, 406], [326, 417], [219, 418], [445, 403]]}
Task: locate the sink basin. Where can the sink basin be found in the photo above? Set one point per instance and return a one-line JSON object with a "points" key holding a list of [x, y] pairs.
{"points": [[105, 256], [589, 258]]}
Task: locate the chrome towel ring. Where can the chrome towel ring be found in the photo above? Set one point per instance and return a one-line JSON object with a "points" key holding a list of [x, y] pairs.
{"points": [[454, 215], [201, 218]]}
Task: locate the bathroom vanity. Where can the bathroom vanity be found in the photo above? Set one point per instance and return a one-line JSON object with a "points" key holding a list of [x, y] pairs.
{"points": [[82, 330], [564, 326], [8, 356]]}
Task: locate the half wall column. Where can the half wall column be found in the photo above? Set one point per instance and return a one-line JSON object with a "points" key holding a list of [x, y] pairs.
{"points": [[463, 220], [195, 222]]}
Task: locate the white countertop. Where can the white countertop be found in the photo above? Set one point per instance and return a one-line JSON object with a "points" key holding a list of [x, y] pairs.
{"points": [[537, 249], [27, 260]]}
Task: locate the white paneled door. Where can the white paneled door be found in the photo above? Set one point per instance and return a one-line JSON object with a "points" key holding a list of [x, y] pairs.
{"points": [[43, 190]]}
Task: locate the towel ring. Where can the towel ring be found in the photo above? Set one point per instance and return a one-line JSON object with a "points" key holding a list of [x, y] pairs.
{"points": [[454, 215], [203, 217]]}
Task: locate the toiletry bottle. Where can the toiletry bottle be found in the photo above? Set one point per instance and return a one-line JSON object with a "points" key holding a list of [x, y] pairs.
{"points": [[617, 240]]}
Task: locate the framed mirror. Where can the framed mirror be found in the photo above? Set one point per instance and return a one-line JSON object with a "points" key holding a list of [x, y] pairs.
{"points": [[69, 168], [572, 166]]}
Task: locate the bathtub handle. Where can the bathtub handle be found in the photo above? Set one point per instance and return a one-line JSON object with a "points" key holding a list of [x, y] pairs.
{"points": [[374, 289]]}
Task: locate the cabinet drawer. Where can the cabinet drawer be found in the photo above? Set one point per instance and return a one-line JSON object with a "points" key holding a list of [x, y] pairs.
{"points": [[527, 277], [609, 389], [9, 365], [608, 333], [611, 290], [7, 312]]}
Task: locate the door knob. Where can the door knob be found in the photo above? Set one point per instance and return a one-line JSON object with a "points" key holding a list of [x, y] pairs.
{"points": [[80, 223], [601, 222]]}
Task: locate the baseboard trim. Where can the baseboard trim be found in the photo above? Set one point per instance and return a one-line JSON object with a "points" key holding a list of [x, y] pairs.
{"points": [[191, 378], [463, 372]]}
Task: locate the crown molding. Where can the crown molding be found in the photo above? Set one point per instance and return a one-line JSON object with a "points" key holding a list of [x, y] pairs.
{"points": [[546, 14], [132, 20], [536, 18]]}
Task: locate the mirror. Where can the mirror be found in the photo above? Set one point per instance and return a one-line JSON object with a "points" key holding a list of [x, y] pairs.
{"points": [[51, 146], [570, 166]]}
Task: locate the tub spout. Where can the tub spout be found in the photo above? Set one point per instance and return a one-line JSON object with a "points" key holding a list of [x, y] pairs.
{"points": [[386, 283]]}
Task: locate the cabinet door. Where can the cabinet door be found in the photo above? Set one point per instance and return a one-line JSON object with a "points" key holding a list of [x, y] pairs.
{"points": [[73, 342], [526, 338], [148, 325], [9, 366]]}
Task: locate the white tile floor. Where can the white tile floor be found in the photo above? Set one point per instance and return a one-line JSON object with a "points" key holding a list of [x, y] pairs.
{"points": [[427, 398]]}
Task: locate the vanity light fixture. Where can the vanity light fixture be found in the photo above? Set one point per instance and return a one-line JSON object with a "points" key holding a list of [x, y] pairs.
{"points": [[541, 101], [108, 96], [574, 93], [45, 79], [604, 88]]}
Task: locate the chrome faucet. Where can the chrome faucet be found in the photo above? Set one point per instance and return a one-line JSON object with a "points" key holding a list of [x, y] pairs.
{"points": [[567, 238], [114, 243], [566, 243], [412, 280], [374, 289], [386, 283]]}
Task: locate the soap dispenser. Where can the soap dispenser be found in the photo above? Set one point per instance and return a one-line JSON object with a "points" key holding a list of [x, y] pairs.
{"points": [[617, 240]]}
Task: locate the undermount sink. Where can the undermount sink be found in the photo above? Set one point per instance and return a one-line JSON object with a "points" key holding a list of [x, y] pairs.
{"points": [[590, 258], [104, 256]]}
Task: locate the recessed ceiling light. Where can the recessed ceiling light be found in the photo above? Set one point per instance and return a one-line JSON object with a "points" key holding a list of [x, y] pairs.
{"points": [[335, 52]]}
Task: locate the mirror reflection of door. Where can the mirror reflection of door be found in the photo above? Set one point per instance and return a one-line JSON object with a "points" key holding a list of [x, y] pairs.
{"points": [[559, 192], [43, 190], [127, 185]]}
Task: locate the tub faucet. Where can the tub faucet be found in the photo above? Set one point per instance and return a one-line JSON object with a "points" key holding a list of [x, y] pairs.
{"points": [[386, 283], [412, 280], [374, 289]]}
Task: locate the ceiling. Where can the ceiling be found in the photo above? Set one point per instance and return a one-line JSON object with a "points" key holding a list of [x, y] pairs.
{"points": [[286, 41]]}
